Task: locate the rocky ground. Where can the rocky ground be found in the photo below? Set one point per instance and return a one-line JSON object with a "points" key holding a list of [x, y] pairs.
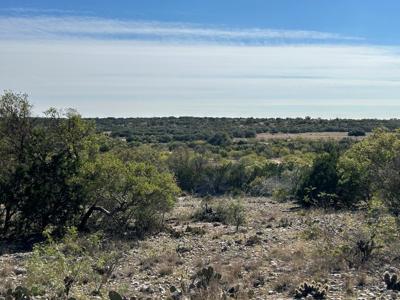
{"points": [[266, 259]]}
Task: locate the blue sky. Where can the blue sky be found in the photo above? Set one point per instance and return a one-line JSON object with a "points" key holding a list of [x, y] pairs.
{"points": [[217, 58]]}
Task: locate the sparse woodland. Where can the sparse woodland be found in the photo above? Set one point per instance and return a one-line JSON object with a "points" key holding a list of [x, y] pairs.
{"points": [[192, 208]]}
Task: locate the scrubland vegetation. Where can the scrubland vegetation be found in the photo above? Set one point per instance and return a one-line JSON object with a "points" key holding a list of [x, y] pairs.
{"points": [[193, 208], [164, 130]]}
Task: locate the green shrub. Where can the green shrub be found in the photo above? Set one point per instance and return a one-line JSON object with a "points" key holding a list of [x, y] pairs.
{"points": [[356, 132], [227, 211], [319, 185], [236, 214], [280, 194], [126, 196], [75, 265], [37, 174]]}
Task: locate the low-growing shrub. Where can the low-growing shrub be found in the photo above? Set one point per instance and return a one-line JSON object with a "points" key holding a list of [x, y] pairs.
{"points": [[58, 268], [356, 132], [226, 211]]}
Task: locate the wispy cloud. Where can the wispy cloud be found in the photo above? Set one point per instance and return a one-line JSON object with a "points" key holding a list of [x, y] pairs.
{"points": [[44, 27], [108, 67], [128, 78], [32, 11]]}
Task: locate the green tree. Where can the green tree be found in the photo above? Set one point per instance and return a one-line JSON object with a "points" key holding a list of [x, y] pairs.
{"points": [[220, 139], [40, 159], [370, 167], [126, 195], [319, 185], [15, 140], [51, 195]]}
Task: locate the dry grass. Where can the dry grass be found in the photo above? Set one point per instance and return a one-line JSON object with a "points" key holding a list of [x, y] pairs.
{"points": [[6, 269], [285, 283], [290, 247], [349, 285], [165, 260], [234, 271], [165, 269]]}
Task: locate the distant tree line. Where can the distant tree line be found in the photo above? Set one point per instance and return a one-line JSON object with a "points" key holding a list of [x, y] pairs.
{"points": [[167, 129]]}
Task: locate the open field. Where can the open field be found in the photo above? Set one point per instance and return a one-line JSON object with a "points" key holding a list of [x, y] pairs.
{"points": [[308, 135], [266, 259]]}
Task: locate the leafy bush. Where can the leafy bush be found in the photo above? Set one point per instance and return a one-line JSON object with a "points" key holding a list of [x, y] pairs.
{"points": [[220, 139], [370, 168], [262, 186], [73, 266], [227, 211], [319, 185], [61, 174], [235, 214], [126, 194], [37, 173]]}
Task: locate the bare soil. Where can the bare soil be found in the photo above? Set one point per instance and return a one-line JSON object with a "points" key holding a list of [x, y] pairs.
{"points": [[266, 259]]}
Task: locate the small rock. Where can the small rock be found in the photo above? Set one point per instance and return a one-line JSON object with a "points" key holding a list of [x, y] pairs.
{"points": [[177, 295], [19, 271], [146, 289]]}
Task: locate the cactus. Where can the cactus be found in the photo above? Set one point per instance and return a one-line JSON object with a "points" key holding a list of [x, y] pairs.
{"points": [[20, 293], [205, 276], [391, 281], [316, 290], [113, 295], [68, 281]]}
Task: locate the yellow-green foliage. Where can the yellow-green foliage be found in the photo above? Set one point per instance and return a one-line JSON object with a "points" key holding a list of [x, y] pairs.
{"points": [[132, 193], [363, 169], [382, 224], [236, 213], [83, 261], [231, 212], [280, 194]]}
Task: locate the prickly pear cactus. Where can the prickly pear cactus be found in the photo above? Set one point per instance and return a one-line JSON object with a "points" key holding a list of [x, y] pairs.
{"points": [[391, 281], [316, 290], [20, 293], [114, 296], [205, 276]]}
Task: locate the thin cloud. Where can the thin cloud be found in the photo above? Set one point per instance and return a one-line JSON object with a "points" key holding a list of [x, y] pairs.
{"points": [[30, 11], [126, 78], [45, 27], [107, 67]]}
